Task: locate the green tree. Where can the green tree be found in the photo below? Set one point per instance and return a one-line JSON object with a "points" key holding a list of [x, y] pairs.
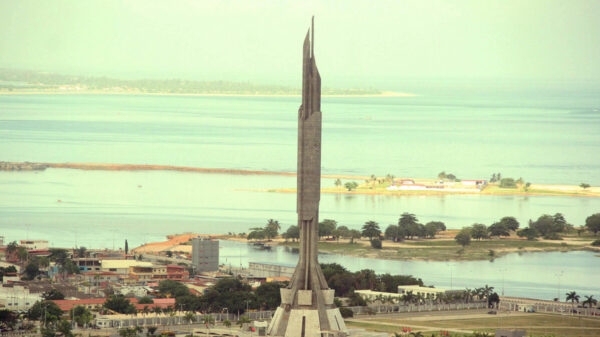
{"points": [[431, 228], [354, 234], [11, 248], [326, 227], [376, 243], [145, 300], [342, 231], [371, 229], [463, 237], [527, 186], [53, 294], [64, 327], [22, 254], [293, 232], [498, 229], [120, 304], [584, 185], [227, 323], [189, 317], [351, 185], [31, 271], [529, 233], [243, 320], [47, 310], [593, 223], [479, 231], [442, 175], [338, 183], [268, 295], [589, 300], [171, 288], [573, 297], [508, 183], [272, 228], [81, 315], [510, 222], [392, 232], [256, 234]]}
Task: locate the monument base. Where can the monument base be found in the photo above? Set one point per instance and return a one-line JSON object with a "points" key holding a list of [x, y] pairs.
{"points": [[305, 323]]}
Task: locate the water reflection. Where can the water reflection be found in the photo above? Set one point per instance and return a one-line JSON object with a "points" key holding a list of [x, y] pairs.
{"points": [[522, 274]]}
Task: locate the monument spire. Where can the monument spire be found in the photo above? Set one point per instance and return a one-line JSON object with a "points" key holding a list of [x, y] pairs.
{"points": [[307, 308]]}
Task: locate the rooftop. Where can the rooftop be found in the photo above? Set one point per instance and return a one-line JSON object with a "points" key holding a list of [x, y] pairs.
{"points": [[119, 264]]}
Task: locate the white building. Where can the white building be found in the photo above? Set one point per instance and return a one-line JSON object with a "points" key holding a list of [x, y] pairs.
{"points": [[418, 290], [375, 295], [34, 244], [17, 298]]}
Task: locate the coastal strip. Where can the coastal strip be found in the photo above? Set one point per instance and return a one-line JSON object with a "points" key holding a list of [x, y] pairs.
{"points": [[29, 166]]}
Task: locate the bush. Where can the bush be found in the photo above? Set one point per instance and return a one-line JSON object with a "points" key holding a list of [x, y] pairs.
{"points": [[596, 243], [508, 183], [552, 236], [346, 312], [376, 243]]}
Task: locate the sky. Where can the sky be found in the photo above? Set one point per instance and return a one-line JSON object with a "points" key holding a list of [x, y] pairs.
{"points": [[356, 42]]}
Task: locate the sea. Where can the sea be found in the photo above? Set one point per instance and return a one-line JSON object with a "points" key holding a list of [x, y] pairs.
{"points": [[542, 136]]}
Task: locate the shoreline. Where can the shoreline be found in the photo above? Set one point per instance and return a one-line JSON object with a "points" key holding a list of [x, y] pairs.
{"points": [[442, 248], [98, 92]]}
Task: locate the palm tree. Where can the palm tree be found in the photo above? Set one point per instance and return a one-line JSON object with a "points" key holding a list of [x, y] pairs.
{"points": [[467, 295], [589, 300], [573, 297], [487, 291], [417, 334], [243, 320], [189, 317], [227, 323], [409, 297]]}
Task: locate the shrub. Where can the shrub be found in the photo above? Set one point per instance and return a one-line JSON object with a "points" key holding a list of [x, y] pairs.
{"points": [[376, 243], [346, 312], [596, 243], [508, 183], [552, 236]]}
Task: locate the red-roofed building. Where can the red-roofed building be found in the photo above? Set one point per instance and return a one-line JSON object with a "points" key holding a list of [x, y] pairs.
{"points": [[90, 303]]}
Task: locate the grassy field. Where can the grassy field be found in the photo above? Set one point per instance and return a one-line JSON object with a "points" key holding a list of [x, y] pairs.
{"points": [[534, 324], [441, 250]]}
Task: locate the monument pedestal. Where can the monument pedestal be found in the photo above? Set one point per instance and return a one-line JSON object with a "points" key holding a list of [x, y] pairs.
{"points": [[306, 319]]}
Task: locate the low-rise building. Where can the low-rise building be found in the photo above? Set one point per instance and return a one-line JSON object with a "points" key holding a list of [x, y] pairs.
{"points": [[88, 263], [97, 277], [123, 266], [17, 298], [377, 295], [425, 291], [34, 244]]}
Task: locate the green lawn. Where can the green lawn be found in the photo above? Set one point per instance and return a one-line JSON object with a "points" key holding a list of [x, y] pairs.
{"points": [[441, 250], [535, 324]]}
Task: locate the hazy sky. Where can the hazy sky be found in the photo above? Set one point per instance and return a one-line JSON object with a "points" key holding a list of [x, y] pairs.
{"points": [[260, 41]]}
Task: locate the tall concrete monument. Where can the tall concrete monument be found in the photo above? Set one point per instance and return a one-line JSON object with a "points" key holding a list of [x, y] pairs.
{"points": [[307, 308]]}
